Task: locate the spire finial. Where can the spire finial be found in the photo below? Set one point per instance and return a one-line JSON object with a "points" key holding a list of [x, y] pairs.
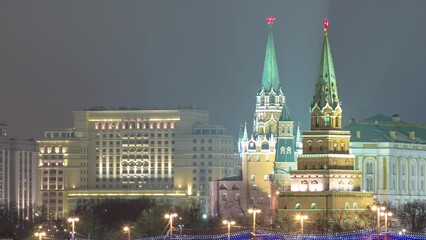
{"points": [[270, 20], [325, 25]]}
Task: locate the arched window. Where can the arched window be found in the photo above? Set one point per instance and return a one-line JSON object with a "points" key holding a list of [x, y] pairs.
{"points": [[254, 187], [236, 197], [369, 169], [309, 145], [403, 168], [313, 206], [224, 197], [321, 146], [346, 205], [298, 206], [288, 150], [327, 120], [317, 121], [355, 205]]}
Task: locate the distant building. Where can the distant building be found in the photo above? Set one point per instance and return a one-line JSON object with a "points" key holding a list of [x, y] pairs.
{"points": [[392, 156], [325, 187], [18, 172], [267, 155], [167, 155]]}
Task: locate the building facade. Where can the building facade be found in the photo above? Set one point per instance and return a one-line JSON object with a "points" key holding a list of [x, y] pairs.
{"points": [[392, 156], [325, 180], [18, 172], [167, 155], [267, 155]]}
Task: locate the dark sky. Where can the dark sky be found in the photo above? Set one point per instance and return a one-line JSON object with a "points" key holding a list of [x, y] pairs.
{"points": [[60, 56]]}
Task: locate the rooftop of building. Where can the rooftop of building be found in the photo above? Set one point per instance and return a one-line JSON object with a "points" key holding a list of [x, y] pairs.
{"points": [[124, 108], [382, 128]]}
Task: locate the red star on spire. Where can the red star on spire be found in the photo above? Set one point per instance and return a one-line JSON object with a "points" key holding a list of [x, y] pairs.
{"points": [[270, 20], [325, 24]]}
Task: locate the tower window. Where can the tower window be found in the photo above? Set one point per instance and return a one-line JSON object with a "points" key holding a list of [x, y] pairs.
{"points": [[327, 120]]}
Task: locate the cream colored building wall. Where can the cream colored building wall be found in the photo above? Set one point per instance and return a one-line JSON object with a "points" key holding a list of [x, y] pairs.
{"points": [[94, 158], [395, 172], [311, 203]]}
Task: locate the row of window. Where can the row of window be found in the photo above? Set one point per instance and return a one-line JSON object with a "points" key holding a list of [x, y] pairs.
{"points": [[136, 125], [133, 136], [314, 206]]}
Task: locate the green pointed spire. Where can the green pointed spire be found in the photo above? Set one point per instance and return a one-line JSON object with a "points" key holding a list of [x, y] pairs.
{"points": [[245, 135], [285, 115], [326, 88], [270, 78]]}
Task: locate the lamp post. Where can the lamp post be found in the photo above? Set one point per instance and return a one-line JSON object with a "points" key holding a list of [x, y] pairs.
{"points": [[170, 217], [40, 235], [254, 211], [301, 218], [229, 223], [127, 230], [386, 214], [181, 228], [378, 208], [73, 220]]}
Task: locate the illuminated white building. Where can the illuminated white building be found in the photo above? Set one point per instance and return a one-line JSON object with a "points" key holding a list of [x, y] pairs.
{"points": [[392, 156], [18, 172], [164, 154]]}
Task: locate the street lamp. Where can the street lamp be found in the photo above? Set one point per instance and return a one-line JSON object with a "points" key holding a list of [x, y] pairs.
{"points": [[40, 235], [73, 220], [301, 218], [181, 228], [127, 230], [229, 223], [378, 208], [386, 214], [170, 217], [254, 211]]}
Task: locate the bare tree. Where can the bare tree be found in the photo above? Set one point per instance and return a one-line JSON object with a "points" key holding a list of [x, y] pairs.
{"points": [[412, 215]]}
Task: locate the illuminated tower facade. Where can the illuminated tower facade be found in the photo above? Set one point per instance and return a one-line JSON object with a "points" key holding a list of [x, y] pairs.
{"points": [[269, 153], [325, 178]]}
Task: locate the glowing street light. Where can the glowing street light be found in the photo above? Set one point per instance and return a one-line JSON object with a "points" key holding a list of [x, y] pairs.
{"points": [[378, 208], [254, 211], [229, 223], [40, 235], [170, 217], [73, 220], [127, 230], [386, 214], [301, 218]]}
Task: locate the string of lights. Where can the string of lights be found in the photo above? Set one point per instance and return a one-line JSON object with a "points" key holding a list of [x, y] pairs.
{"points": [[272, 235]]}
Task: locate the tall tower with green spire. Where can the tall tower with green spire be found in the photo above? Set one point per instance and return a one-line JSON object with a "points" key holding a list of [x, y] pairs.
{"points": [[326, 111], [326, 179], [268, 155]]}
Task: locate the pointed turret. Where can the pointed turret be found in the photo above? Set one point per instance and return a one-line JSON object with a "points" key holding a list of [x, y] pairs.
{"points": [[270, 78], [245, 135], [325, 107], [299, 142], [285, 115]]}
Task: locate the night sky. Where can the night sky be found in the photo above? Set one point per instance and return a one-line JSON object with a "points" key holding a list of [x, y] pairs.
{"points": [[60, 56]]}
